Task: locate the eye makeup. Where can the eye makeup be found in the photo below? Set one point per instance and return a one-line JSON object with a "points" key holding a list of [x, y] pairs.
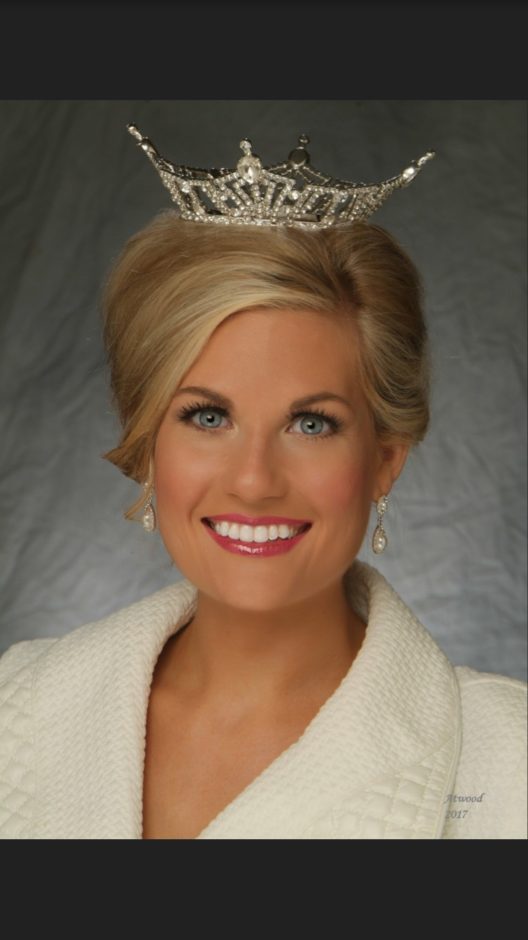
{"points": [[187, 412]]}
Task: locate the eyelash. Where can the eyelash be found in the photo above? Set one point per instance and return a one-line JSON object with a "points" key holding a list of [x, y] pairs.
{"points": [[188, 411]]}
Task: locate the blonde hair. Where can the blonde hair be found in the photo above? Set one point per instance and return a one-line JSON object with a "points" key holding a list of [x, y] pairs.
{"points": [[176, 281]]}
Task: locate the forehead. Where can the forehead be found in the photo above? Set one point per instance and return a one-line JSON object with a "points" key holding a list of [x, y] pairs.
{"points": [[298, 347]]}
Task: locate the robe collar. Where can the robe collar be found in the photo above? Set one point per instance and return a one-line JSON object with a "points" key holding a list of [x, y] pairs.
{"points": [[377, 761]]}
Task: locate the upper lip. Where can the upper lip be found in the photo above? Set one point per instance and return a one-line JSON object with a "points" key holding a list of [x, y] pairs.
{"points": [[260, 520]]}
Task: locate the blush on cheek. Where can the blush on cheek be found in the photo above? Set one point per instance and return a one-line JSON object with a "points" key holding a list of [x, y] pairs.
{"points": [[348, 488], [167, 489], [179, 490]]}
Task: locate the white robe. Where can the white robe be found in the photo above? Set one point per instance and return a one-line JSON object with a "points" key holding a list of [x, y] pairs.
{"points": [[408, 746]]}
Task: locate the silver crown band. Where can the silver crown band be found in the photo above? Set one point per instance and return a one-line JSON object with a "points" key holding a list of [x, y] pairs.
{"points": [[290, 193]]}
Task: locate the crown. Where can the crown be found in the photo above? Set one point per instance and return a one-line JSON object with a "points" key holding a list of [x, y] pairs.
{"points": [[289, 193]]}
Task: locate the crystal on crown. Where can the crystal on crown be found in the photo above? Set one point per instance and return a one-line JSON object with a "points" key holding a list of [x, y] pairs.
{"points": [[289, 193]]}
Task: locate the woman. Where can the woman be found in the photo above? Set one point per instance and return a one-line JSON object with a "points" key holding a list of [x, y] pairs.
{"points": [[270, 381]]}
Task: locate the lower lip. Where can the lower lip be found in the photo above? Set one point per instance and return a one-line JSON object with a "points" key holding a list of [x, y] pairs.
{"points": [[278, 547]]}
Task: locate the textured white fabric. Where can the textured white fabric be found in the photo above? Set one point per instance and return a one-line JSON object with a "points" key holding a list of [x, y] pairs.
{"points": [[407, 747]]}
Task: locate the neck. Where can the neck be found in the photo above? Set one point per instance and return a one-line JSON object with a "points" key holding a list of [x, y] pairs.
{"points": [[261, 662]]}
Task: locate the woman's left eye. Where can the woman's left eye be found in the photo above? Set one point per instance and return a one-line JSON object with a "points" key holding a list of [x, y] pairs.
{"points": [[315, 417], [188, 412]]}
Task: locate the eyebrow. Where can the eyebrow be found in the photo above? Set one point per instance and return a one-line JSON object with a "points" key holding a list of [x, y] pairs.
{"points": [[225, 402]]}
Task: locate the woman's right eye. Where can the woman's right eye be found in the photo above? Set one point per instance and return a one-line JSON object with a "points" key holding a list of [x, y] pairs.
{"points": [[187, 413]]}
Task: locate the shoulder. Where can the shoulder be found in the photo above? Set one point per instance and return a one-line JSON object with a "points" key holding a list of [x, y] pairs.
{"points": [[490, 699], [17, 666], [494, 719], [489, 796], [160, 607], [62, 672], [20, 658]]}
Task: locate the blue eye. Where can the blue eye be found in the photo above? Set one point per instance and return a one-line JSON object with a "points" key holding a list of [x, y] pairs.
{"points": [[188, 412], [315, 418], [205, 411]]}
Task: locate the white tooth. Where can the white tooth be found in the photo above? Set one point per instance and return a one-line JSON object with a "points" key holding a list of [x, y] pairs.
{"points": [[273, 532], [246, 533], [223, 528], [284, 531], [261, 533], [233, 530]]}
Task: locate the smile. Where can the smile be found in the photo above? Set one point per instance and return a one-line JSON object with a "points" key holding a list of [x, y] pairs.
{"points": [[258, 540]]}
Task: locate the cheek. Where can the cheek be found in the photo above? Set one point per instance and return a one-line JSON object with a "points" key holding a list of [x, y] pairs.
{"points": [[342, 486], [174, 473], [182, 474]]}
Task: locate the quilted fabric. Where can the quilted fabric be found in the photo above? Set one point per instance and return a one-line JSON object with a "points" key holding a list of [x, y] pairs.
{"points": [[407, 747], [495, 776], [17, 778]]}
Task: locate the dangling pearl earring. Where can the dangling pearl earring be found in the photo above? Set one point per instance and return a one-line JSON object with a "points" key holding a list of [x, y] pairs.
{"points": [[379, 539], [148, 518]]}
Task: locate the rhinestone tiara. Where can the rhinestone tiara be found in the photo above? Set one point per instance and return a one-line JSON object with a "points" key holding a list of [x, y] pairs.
{"points": [[290, 193]]}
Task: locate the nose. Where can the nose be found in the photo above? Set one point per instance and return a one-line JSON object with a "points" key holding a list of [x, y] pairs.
{"points": [[254, 469]]}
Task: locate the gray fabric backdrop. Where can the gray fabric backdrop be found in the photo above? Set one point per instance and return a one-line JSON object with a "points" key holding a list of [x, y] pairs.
{"points": [[74, 186]]}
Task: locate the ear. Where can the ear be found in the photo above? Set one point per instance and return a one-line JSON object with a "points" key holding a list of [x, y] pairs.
{"points": [[391, 460]]}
